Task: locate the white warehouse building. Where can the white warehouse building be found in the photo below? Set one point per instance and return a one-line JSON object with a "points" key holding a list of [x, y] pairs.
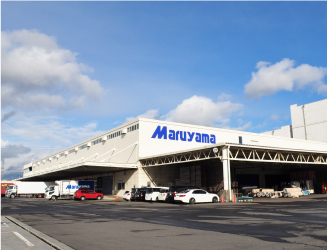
{"points": [[309, 122], [146, 152]]}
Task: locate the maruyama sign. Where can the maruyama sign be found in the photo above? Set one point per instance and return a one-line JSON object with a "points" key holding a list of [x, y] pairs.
{"points": [[164, 133]]}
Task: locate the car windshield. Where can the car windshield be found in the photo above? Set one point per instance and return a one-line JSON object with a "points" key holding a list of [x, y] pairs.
{"points": [[185, 191], [51, 188], [149, 190], [163, 191], [10, 187], [126, 192]]}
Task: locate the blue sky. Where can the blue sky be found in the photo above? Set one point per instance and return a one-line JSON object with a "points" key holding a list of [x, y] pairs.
{"points": [[71, 70]]}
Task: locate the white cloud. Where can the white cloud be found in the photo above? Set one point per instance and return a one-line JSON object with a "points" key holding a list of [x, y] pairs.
{"points": [[274, 117], [38, 136], [201, 110], [151, 114], [271, 78], [48, 129], [9, 150], [37, 73]]}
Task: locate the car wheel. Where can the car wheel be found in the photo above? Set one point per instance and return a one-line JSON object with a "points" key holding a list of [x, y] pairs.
{"points": [[53, 198], [99, 197], [82, 198], [192, 201], [268, 195], [12, 196], [259, 194], [214, 200]]}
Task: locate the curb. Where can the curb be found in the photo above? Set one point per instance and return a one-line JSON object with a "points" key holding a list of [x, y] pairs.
{"points": [[47, 239]]}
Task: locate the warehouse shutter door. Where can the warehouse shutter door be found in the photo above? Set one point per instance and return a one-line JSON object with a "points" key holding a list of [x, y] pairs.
{"points": [[107, 185]]}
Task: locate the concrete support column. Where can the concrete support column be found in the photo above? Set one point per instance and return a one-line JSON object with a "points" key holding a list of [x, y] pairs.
{"points": [[226, 171]]}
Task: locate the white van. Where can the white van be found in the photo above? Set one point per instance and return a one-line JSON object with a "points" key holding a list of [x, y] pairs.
{"points": [[163, 194], [152, 193]]}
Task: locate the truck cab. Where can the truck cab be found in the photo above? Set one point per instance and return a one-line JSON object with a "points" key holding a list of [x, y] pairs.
{"points": [[11, 191], [52, 192]]}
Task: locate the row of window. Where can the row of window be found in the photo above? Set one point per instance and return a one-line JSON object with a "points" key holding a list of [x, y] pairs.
{"points": [[96, 141], [135, 127], [71, 151], [82, 147], [113, 135]]}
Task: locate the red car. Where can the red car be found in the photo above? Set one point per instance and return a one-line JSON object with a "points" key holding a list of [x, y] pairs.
{"points": [[87, 194]]}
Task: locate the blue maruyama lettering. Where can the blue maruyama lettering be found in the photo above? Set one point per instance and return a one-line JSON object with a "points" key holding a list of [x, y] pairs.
{"points": [[72, 187], [161, 133]]}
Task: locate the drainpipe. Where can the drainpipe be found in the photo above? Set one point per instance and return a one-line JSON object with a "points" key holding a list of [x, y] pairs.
{"points": [[305, 129]]}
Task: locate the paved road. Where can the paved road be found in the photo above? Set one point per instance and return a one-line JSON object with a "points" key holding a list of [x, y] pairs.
{"points": [[277, 224]]}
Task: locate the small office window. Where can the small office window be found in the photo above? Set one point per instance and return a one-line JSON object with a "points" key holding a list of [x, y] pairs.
{"points": [[121, 186], [240, 140]]}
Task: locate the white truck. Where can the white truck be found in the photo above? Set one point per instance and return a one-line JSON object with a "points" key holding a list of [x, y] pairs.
{"points": [[34, 189], [66, 189]]}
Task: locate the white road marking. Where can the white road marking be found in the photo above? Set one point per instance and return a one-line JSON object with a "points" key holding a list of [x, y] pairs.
{"points": [[23, 239], [4, 224]]}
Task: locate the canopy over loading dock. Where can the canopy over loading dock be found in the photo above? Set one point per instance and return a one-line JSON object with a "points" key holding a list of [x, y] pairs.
{"points": [[238, 153], [77, 170]]}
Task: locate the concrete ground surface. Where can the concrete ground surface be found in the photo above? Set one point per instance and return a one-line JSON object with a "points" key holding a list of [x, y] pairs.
{"points": [[16, 235], [282, 223]]}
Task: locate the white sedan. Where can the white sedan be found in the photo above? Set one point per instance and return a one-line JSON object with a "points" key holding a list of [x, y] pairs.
{"points": [[196, 196]]}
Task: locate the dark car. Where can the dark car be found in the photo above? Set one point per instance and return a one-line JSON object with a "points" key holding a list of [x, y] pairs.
{"points": [[140, 194], [173, 190], [133, 194]]}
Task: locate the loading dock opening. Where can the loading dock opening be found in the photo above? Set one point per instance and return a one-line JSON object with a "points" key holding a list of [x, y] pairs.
{"points": [[221, 166]]}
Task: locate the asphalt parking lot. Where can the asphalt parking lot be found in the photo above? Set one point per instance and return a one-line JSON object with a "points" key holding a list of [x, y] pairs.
{"points": [[266, 223]]}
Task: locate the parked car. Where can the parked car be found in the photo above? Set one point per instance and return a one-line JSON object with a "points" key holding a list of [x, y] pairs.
{"points": [[133, 194], [140, 194], [163, 194], [127, 196], [83, 194], [152, 193], [173, 190], [196, 196]]}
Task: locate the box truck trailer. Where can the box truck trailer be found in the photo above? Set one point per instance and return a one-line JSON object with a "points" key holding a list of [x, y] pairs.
{"points": [[66, 189], [34, 189]]}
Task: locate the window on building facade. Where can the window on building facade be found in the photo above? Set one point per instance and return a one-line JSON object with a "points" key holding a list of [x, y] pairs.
{"points": [[82, 147], [71, 151], [121, 186], [132, 128], [96, 141]]}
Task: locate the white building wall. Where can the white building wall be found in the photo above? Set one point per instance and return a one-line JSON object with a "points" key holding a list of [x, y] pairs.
{"points": [[120, 149], [309, 121], [155, 146], [285, 131]]}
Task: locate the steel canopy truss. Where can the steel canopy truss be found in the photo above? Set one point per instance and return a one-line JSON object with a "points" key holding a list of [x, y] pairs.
{"points": [[240, 153]]}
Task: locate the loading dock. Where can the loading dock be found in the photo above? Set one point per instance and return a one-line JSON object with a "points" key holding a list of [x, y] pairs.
{"points": [[222, 165]]}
